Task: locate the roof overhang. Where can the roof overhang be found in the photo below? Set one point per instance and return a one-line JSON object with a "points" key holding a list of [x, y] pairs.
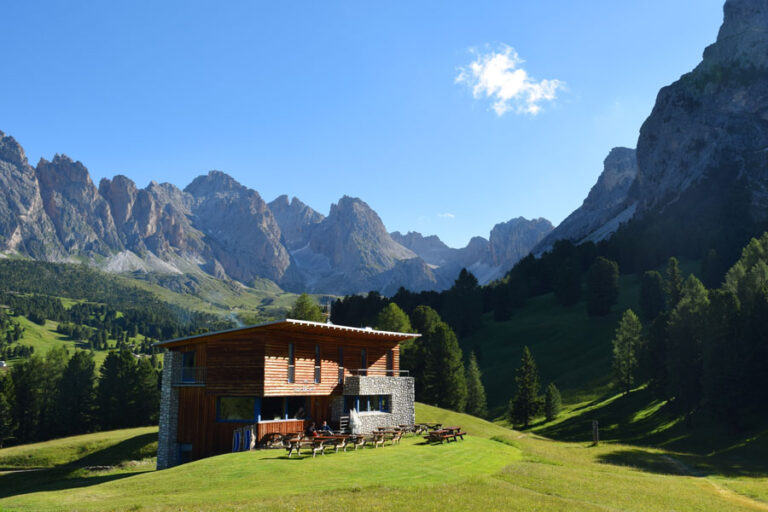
{"points": [[300, 326]]}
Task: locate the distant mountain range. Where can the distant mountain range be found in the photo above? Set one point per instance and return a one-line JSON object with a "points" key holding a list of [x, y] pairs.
{"points": [[700, 167], [54, 212]]}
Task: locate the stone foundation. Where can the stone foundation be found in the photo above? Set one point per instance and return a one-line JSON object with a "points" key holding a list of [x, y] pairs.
{"points": [[167, 451]]}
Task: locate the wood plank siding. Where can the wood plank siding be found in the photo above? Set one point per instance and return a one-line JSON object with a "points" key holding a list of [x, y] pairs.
{"points": [[254, 362]]}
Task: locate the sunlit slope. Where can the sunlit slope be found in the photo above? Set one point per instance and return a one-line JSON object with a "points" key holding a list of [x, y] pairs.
{"points": [[493, 469]]}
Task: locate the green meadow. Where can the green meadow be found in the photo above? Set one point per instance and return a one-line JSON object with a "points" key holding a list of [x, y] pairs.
{"points": [[495, 468]]}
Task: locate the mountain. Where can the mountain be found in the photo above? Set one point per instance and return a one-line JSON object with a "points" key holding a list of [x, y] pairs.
{"points": [[701, 177], [296, 220], [351, 249], [606, 206], [25, 228], [217, 226], [488, 259]]}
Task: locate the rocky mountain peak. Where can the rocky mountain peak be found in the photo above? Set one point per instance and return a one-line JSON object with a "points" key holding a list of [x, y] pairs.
{"points": [[215, 182], [11, 151], [512, 240], [295, 219]]}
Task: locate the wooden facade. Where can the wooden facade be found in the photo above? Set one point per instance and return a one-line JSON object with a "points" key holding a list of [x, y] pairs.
{"points": [[256, 362]]}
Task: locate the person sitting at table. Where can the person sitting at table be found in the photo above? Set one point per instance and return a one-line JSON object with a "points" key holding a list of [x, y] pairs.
{"points": [[326, 428], [311, 431]]}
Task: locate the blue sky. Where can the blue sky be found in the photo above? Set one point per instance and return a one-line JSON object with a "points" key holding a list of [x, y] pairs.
{"points": [[321, 99]]}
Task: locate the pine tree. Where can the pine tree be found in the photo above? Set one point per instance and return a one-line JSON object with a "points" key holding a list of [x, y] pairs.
{"points": [[393, 319], [674, 284], [305, 309], [602, 286], [444, 380], [146, 393], [464, 304], [477, 404], [7, 423], [652, 297], [553, 403], [655, 357], [688, 326], [413, 354], [28, 381], [76, 400], [115, 396], [524, 406], [626, 345]]}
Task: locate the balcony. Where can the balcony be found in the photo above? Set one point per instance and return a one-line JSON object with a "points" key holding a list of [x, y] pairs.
{"points": [[188, 376]]}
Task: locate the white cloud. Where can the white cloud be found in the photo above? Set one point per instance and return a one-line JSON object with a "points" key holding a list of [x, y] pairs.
{"points": [[446, 215], [499, 76]]}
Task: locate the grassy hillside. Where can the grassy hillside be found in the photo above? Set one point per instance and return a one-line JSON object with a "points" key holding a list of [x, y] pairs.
{"points": [[571, 348], [494, 469]]}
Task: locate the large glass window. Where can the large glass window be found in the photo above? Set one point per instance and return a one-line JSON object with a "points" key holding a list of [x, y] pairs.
{"points": [[341, 365], [237, 408], [317, 364], [390, 362], [363, 361], [272, 408], [296, 407], [188, 366], [291, 362]]}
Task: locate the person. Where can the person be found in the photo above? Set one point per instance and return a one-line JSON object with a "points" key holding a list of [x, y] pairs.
{"points": [[311, 431], [326, 428]]}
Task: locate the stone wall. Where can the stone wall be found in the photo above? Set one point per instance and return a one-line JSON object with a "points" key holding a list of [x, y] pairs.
{"points": [[402, 396], [167, 452]]}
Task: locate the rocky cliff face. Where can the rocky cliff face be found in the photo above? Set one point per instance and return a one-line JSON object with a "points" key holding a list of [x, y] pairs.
{"points": [[241, 231], [701, 154], [296, 221], [714, 119], [24, 225], [606, 206], [81, 217]]}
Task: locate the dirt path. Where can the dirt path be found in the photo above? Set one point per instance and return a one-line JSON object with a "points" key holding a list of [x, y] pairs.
{"points": [[724, 493]]}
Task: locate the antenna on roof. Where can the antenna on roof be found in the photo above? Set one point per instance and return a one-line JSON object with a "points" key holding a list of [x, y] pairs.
{"points": [[328, 319]]}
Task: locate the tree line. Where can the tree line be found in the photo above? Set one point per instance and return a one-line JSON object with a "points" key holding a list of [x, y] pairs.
{"points": [[62, 395], [703, 350]]}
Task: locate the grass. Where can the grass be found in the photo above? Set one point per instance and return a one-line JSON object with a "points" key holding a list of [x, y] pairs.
{"points": [[44, 337], [571, 349], [493, 469]]}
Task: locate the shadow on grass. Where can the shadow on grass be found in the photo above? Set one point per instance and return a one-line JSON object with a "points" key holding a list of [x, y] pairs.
{"points": [[17, 483], [645, 461], [76, 473]]}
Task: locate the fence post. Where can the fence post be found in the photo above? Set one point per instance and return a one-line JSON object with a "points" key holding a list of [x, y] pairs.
{"points": [[595, 433]]}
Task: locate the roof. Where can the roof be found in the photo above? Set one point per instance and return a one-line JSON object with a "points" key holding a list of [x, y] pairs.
{"points": [[304, 326]]}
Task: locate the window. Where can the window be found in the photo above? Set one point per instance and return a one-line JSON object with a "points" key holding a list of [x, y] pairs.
{"points": [[317, 364], [341, 365], [390, 362], [291, 363], [296, 407], [236, 408], [188, 367], [363, 361], [367, 403], [272, 408]]}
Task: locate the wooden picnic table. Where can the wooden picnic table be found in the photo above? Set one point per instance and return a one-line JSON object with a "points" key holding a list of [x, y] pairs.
{"points": [[445, 434]]}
